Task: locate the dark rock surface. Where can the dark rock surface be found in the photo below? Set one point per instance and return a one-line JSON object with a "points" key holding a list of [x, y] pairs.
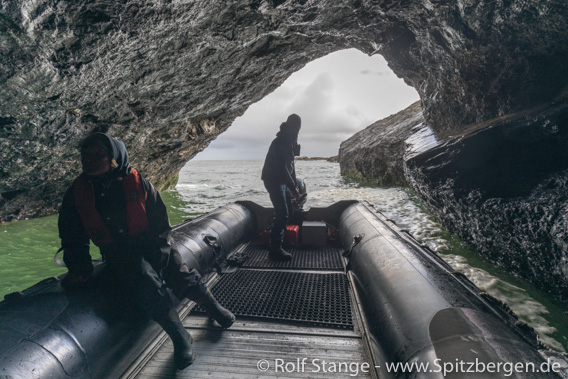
{"points": [[375, 154], [503, 186], [169, 76], [333, 159]]}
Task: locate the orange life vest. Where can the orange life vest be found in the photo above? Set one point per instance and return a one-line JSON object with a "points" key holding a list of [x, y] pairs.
{"points": [[92, 221]]}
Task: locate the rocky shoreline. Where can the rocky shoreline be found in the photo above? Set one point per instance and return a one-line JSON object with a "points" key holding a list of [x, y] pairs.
{"points": [[334, 159]]}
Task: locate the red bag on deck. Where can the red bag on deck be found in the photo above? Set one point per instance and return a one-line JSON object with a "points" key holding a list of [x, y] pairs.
{"points": [[292, 234]]}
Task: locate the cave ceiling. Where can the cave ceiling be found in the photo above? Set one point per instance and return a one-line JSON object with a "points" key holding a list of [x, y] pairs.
{"points": [[168, 76]]}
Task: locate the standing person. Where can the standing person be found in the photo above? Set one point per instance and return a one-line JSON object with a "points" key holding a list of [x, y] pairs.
{"points": [[111, 204], [279, 177]]}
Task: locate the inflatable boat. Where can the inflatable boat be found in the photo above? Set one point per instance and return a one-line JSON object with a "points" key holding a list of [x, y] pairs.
{"points": [[360, 298]]}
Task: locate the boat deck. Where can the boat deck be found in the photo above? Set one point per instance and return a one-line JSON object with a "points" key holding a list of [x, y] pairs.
{"points": [[294, 319]]}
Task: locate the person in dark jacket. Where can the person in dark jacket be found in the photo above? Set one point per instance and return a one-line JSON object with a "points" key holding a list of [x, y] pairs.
{"points": [[111, 204], [279, 177]]}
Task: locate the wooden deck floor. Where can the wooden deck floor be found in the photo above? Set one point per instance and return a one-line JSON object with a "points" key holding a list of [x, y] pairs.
{"points": [[260, 349]]}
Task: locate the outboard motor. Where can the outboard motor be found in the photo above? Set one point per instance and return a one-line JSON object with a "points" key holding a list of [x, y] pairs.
{"points": [[298, 214]]}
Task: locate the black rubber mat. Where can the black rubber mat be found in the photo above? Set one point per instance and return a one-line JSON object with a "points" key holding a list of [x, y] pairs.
{"points": [[320, 299], [319, 258]]}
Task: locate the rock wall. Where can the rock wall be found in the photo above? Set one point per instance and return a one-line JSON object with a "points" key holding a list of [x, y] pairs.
{"points": [[376, 153], [168, 76], [501, 184]]}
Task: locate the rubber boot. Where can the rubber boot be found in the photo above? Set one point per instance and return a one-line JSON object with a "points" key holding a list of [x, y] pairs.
{"points": [[279, 255], [181, 339], [215, 310]]}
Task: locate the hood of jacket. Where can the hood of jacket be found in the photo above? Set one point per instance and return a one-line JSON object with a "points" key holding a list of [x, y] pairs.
{"points": [[117, 151]]}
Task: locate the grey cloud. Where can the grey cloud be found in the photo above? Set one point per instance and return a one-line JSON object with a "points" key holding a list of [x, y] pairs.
{"points": [[378, 73], [332, 103]]}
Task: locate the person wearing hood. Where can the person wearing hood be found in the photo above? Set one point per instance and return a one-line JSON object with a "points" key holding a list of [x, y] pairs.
{"points": [[111, 204], [279, 177]]}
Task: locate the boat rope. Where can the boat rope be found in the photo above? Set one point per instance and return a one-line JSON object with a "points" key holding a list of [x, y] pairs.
{"points": [[58, 260], [356, 240]]}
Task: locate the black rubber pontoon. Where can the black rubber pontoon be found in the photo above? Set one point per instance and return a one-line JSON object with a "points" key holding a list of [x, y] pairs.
{"points": [[419, 310], [50, 332], [392, 301]]}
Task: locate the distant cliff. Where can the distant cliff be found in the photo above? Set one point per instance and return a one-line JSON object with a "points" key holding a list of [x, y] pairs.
{"points": [[333, 159]]}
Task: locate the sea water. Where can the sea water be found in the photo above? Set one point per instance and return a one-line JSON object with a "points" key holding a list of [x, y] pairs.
{"points": [[27, 247]]}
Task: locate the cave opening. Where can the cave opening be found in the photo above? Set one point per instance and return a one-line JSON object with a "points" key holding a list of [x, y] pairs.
{"points": [[336, 96]]}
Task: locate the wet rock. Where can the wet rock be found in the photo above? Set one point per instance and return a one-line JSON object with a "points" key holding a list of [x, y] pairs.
{"points": [[168, 76], [503, 186], [375, 154]]}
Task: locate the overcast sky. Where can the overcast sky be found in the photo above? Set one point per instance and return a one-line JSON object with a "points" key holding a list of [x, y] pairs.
{"points": [[335, 96]]}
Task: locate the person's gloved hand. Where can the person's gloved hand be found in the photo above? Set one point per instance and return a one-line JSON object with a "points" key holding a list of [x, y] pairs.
{"points": [[296, 193], [76, 279]]}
